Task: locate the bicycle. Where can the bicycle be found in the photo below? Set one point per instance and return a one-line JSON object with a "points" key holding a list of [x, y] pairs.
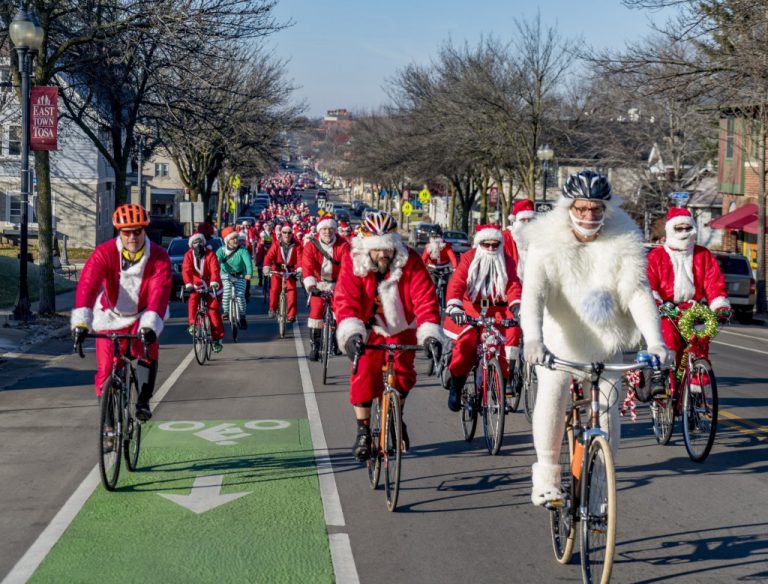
{"points": [[487, 393], [119, 429], [530, 384], [234, 309], [440, 276], [386, 413], [588, 476], [329, 330], [202, 341], [265, 284], [697, 408], [282, 307]]}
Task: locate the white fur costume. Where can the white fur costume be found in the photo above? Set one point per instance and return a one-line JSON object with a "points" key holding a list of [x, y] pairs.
{"points": [[585, 302]]}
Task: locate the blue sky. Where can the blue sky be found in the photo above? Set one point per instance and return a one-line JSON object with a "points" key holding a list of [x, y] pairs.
{"points": [[341, 52]]}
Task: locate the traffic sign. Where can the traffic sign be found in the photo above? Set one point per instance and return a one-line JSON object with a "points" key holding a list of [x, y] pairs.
{"points": [[407, 209], [680, 195], [234, 181], [424, 196], [542, 206], [382, 194]]}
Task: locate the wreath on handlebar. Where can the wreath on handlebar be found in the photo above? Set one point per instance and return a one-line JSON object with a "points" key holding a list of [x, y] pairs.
{"points": [[698, 315]]}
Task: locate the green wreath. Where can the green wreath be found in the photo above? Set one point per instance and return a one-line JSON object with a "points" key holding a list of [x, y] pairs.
{"points": [[698, 314]]}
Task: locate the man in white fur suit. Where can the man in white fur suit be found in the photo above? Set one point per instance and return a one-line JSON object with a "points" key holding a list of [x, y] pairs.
{"points": [[385, 295], [586, 298], [681, 272], [125, 287]]}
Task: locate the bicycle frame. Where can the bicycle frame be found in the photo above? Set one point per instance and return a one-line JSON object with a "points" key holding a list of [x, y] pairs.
{"points": [[490, 345]]}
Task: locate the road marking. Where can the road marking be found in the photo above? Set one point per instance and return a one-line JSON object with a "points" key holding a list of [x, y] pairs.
{"points": [[205, 495], [34, 556], [740, 347], [758, 429], [730, 332], [341, 550]]}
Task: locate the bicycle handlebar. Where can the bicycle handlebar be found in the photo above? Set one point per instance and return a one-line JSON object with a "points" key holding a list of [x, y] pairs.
{"points": [[488, 320], [112, 337], [577, 367]]}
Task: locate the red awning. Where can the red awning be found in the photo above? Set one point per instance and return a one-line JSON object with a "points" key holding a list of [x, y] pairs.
{"points": [[737, 219]]}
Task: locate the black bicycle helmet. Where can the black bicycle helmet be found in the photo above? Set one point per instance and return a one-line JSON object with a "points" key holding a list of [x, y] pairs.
{"points": [[435, 231], [587, 184]]}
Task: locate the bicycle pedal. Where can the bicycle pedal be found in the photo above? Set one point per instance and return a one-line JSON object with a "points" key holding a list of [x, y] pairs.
{"points": [[555, 504]]}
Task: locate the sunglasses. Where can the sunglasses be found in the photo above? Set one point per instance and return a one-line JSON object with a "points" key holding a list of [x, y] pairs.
{"points": [[286, 232], [128, 232], [490, 244], [684, 228]]}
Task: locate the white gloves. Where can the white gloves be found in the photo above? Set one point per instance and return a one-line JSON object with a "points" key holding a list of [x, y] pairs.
{"points": [[534, 352], [664, 354]]}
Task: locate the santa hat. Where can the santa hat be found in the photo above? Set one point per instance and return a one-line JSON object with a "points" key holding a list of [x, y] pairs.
{"points": [[523, 210], [679, 216], [229, 233], [343, 225], [327, 221], [487, 232], [196, 236]]}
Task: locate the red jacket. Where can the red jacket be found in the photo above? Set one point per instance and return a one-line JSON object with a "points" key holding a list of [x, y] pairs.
{"points": [[110, 298], [275, 259], [669, 285], [197, 273], [447, 256], [405, 299], [316, 270], [510, 246], [456, 292]]}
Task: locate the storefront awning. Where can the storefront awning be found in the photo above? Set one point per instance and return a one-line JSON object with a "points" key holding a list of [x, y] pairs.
{"points": [[737, 219]]}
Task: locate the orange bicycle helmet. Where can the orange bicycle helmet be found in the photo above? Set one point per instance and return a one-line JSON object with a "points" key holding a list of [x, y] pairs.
{"points": [[378, 223], [129, 216]]}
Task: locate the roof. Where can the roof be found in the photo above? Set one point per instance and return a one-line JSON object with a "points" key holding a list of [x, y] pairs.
{"points": [[706, 195], [742, 219]]}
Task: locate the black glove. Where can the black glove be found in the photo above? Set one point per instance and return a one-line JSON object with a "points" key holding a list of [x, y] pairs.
{"points": [[313, 291], [354, 347], [458, 316], [148, 336], [723, 315], [78, 334], [515, 310], [433, 348]]}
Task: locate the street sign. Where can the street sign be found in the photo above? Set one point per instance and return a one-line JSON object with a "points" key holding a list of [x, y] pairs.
{"points": [[424, 196], [382, 194], [234, 181], [680, 195], [320, 212], [407, 209], [542, 206]]}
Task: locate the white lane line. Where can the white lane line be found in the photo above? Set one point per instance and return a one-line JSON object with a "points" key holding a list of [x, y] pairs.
{"points": [[35, 555], [341, 551], [740, 347], [730, 332]]}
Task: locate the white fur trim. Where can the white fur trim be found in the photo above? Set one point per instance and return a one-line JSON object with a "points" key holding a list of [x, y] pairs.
{"points": [[486, 235], [657, 296], [429, 329], [315, 323], [681, 220], [126, 309], [81, 316], [150, 319], [349, 327], [194, 237], [388, 241], [719, 302], [326, 286], [329, 222], [309, 282], [525, 215], [511, 353], [455, 302], [682, 266]]}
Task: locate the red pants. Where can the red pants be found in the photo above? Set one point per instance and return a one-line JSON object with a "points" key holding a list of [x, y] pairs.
{"points": [[465, 353], [676, 343], [290, 295], [104, 352], [316, 312], [368, 382], [214, 313]]}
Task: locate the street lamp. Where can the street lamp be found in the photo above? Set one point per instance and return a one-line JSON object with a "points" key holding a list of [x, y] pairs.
{"points": [[545, 154], [27, 37]]}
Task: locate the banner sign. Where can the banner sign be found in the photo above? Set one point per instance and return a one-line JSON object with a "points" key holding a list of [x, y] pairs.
{"points": [[43, 118]]}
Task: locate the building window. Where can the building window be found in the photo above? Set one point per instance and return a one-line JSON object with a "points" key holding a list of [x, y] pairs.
{"points": [[161, 169], [730, 131], [14, 141]]}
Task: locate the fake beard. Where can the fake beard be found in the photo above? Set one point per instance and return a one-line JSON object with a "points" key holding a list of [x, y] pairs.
{"points": [[585, 228], [434, 248], [199, 251], [487, 275], [681, 240], [517, 229], [327, 240]]}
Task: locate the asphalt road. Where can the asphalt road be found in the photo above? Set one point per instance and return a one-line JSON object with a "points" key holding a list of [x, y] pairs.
{"points": [[463, 515]]}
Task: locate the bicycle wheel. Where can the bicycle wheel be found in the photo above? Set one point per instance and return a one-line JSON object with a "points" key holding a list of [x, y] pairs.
{"points": [[281, 316], [374, 460], [199, 340], [469, 405], [494, 407], [699, 412], [530, 387], [326, 348], [561, 519], [393, 435], [598, 525], [132, 434], [208, 339], [234, 315], [516, 384], [663, 419], [110, 424], [265, 289]]}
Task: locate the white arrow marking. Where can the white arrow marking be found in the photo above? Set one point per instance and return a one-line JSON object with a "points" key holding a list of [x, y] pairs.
{"points": [[205, 495]]}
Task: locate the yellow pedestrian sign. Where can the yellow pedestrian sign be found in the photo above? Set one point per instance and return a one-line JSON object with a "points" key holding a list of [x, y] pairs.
{"points": [[407, 209], [234, 181], [424, 196]]}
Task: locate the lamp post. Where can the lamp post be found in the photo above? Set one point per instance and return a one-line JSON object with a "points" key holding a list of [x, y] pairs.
{"points": [[545, 154], [27, 37]]}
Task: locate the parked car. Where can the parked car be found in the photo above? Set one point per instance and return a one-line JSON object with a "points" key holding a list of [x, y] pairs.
{"points": [[250, 218], [740, 284], [357, 207], [341, 214], [459, 241], [420, 233], [176, 250]]}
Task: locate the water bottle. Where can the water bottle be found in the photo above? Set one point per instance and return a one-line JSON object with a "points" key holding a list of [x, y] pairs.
{"points": [[658, 378], [643, 358]]}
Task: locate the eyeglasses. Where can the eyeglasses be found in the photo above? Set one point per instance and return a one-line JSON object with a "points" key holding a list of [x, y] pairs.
{"points": [[129, 232], [286, 232], [584, 211], [490, 244]]}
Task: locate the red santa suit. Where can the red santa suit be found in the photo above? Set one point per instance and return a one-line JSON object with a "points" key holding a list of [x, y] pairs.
{"points": [[110, 298], [203, 272], [513, 234], [466, 293], [400, 307], [682, 272], [439, 255], [279, 260], [321, 270]]}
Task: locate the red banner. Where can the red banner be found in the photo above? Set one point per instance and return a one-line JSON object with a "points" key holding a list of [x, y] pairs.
{"points": [[43, 118]]}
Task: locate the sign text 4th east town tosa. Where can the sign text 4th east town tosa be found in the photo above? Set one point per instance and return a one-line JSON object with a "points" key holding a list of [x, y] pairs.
{"points": [[43, 119]]}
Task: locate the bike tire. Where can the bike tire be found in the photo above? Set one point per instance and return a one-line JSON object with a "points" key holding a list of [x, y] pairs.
{"points": [[530, 387], [208, 338], [494, 408], [663, 419], [234, 315], [562, 522], [265, 288], [516, 381], [699, 412], [110, 449], [198, 339], [598, 527], [468, 414], [132, 434], [393, 450], [281, 315], [374, 460], [326, 349]]}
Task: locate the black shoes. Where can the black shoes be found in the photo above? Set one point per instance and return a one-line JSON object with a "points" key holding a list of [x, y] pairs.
{"points": [[454, 397], [314, 352], [243, 323], [406, 439], [362, 447], [143, 413]]}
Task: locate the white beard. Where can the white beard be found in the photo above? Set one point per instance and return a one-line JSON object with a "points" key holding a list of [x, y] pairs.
{"points": [[517, 229], [434, 248], [487, 277]]}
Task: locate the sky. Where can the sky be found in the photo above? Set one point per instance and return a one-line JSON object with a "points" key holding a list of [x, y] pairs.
{"points": [[340, 53]]}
